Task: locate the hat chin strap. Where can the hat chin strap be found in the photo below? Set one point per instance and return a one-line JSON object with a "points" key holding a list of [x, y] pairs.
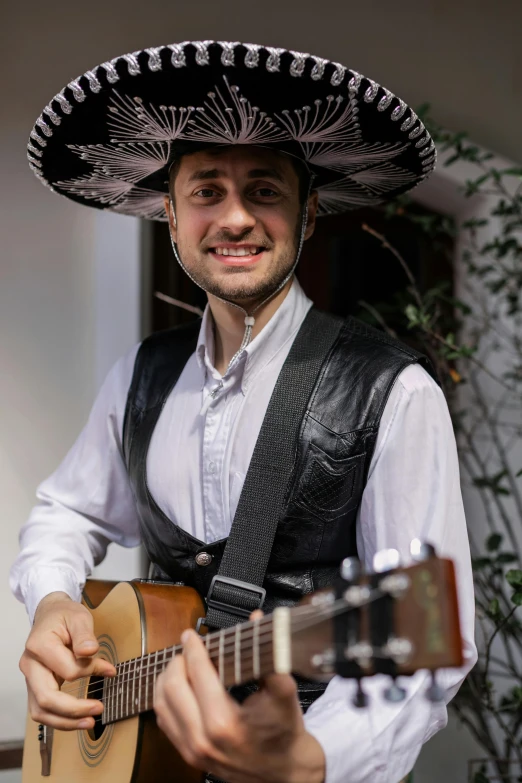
{"points": [[249, 317]]}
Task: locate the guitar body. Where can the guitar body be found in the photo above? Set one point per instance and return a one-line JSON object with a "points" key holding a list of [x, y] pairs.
{"points": [[130, 620]]}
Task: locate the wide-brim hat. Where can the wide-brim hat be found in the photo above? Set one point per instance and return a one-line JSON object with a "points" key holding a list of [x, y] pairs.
{"points": [[108, 139]]}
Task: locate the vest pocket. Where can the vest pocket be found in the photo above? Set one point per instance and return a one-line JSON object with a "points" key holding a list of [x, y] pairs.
{"points": [[329, 487]]}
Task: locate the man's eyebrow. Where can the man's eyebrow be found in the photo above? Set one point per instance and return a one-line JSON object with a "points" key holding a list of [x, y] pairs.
{"points": [[204, 174]]}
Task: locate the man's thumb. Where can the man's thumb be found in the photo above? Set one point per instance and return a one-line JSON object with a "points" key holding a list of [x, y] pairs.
{"points": [[83, 640]]}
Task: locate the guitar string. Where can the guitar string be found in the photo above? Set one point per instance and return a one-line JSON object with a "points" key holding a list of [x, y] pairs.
{"points": [[337, 607], [247, 635]]}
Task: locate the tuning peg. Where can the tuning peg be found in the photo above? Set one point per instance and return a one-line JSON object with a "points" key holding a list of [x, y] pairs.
{"points": [[360, 699], [434, 692], [421, 550], [385, 560], [394, 693], [351, 569]]}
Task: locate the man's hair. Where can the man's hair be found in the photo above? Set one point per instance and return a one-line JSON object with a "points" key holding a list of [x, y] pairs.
{"points": [[304, 175]]}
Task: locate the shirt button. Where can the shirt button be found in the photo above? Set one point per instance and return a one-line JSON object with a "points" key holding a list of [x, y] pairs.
{"points": [[203, 559], [212, 467]]}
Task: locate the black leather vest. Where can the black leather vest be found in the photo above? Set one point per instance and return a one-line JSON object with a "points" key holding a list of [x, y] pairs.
{"points": [[336, 443]]}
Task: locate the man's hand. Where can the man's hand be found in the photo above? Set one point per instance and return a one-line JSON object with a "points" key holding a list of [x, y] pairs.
{"points": [[61, 647], [262, 740]]}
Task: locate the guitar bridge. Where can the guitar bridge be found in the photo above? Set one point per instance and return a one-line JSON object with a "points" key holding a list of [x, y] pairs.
{"points": [[45, 738]]}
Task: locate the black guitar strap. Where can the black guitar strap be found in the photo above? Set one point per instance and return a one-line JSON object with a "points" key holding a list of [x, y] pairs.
{"points": [[237, 589]]}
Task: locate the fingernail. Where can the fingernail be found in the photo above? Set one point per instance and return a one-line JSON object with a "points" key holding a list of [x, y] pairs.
{"points": [[85, 724], [185, 636], [95, 710]]}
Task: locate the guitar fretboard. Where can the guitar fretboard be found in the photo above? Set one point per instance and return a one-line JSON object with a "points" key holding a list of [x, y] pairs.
{"points": [[240, 654]]}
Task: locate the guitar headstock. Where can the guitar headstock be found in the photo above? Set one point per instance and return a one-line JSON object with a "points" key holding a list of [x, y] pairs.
{"points": [[394, 620]]}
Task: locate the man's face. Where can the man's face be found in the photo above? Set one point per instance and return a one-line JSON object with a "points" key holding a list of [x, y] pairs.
{"points": [[238, 220]]}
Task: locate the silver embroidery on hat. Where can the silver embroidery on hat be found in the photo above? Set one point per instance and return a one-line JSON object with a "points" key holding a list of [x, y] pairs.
{"points": [[338, 74], [202, 52], [46, 130], [298, 63], [354, 83], [94, 84], [111, 72], [416, 132], [230, 118], [410, 122], [34, 161], [36, 137], [77, 91], [273, 63], [179, 58], [128, 162], [385, 100], [227, 55], [371, 92], [422, 142], [34, 150], [130, 119], [427, 162], [354, 157], [344, 194], [99, 186], [144, 203], [319, 68], [132, 63], [64, 103], [399, 111], [331, 120], [252, 55], [426, 150], [154, 62], [55, 119], [384, 177]]}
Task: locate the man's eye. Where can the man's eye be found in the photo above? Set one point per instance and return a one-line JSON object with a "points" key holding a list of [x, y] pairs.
{"points": [[265, 192], [206, 193]]}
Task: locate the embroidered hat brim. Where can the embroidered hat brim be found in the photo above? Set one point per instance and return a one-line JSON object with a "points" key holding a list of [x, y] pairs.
{"points": [[109, 137]]}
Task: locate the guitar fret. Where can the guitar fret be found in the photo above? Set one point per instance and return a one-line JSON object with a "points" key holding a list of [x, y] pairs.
{"points": [[127, 683], [119, 693], [138, 700], [221, 656], [237, 655], [256, 668], [133, 686], [147, 674]]}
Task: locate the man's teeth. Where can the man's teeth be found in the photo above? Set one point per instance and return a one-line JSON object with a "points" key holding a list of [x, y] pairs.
{"points": [[237, 251]]}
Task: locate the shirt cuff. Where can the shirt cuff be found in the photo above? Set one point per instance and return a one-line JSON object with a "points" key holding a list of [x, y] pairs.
{"points": [[48, 579], [334, 728]]}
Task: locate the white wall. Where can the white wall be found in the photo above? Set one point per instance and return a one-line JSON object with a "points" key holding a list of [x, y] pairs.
{"points": [[54, 260]]}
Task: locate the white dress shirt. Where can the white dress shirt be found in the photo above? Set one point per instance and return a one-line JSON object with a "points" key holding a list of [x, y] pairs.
{"points": [[196, 465]]}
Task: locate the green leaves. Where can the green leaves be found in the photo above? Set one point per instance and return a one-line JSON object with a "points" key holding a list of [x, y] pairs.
{"points": [[492, 483], [493, 542], [514, 577]]}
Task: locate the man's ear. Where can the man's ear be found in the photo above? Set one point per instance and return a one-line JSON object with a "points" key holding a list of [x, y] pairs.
{"points": [[169, 209], [313, 203]]}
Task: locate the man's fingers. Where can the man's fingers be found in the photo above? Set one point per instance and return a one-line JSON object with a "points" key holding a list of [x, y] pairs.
{"points": [[47, 701], [81, 630], [50, 650], [282, 687]]}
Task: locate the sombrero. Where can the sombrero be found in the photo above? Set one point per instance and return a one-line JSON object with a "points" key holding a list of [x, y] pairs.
{"points": [[109, 137]]}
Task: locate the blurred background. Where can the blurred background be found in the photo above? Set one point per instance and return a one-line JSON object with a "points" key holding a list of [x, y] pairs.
{"points": [[76, 285]]}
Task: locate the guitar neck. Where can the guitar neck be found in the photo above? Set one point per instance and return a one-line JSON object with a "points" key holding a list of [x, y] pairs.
{"points": [[240, 654]]}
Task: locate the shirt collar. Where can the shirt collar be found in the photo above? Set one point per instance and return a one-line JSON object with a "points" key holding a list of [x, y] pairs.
{"points": [[281, 328]]}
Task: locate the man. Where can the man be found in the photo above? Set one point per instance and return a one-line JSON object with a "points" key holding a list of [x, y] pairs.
{"points": [[224, 139]]}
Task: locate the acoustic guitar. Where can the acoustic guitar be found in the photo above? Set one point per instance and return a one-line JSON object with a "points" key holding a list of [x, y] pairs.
{"points": [[394, 621]]}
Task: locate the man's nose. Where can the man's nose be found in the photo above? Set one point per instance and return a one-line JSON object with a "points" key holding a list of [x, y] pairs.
{"points": [[236, 215]]}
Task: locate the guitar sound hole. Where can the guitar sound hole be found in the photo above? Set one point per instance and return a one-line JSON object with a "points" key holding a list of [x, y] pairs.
{"points": [[95, 691]]}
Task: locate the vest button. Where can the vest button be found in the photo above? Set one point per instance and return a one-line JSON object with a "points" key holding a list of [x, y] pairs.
{"points": [[203, 559]]}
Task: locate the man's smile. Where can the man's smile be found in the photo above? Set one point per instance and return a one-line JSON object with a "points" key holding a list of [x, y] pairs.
{"points": [[237, 254]]}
